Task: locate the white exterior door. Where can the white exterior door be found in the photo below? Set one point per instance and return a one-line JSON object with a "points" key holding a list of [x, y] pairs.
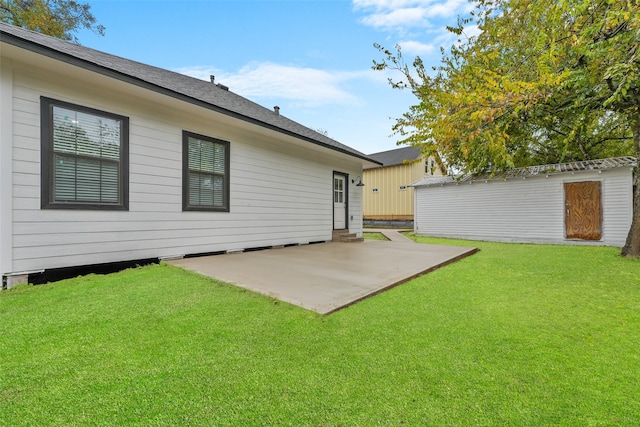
{"points": [[339, 202]]}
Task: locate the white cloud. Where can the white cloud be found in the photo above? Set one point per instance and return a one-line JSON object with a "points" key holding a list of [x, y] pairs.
{"points": [[437, 38], [397, 18], [472, 31], [401, 15], [417, 48], [449, 8], [305, 86], [387, 4]]}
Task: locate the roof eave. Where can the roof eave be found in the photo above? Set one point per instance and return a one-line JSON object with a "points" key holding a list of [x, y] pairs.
{"points": [[462, 179], [109, 72]]}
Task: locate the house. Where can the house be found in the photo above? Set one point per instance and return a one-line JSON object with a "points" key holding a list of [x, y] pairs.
{"points": [[585, 202], [104, 159], [388, 196]]}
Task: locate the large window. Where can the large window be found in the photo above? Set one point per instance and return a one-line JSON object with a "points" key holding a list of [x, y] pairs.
{"points": [[85, 155], [205, 173]]}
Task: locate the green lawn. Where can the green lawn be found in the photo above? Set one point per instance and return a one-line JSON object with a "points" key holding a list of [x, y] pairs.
{"points": [[373, 235], [515, 335]]}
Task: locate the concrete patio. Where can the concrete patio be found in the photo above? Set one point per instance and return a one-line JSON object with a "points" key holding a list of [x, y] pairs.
{"points": [[326, 277]]}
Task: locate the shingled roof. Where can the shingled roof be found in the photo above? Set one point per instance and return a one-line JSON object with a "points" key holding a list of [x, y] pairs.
{"points": [[530, 171], [397, 156], [179, 86]]}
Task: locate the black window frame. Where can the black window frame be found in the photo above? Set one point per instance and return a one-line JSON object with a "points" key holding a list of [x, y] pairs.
{"points": [[186, 206], [47, 155]]}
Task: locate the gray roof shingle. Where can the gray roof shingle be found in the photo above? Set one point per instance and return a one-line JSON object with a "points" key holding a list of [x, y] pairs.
{"points": [[196, 91], [524, 172], [397, 156]]}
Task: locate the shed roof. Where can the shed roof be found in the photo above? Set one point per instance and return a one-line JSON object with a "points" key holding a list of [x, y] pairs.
{"points": [[529, 171], [199, 92], [397, 156]]}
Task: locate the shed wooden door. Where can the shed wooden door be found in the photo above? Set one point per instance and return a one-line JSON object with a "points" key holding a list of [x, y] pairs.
{"points": [[583, 210]]}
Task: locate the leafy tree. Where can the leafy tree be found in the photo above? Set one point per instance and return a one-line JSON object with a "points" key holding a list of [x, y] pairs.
{"points": [[544, 81], [57, 18]]}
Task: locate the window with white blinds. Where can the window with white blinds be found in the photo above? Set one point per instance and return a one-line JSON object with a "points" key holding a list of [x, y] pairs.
{"points": [[205, 173], [84, 155]]}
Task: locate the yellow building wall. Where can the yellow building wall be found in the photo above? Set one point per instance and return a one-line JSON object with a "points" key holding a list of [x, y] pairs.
{"points": [[387, 195]]}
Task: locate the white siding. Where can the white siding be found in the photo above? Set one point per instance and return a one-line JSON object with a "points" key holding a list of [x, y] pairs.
{"points": [[355, 204], [617, 201], [280, 190], [6, 129], [521, 210]]}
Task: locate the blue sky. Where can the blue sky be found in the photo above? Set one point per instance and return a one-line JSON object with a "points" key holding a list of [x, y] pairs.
{"points": [[312, 58]]}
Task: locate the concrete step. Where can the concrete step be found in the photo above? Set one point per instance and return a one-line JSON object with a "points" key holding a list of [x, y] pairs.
{"points": [[337, 233], [345, 236]]}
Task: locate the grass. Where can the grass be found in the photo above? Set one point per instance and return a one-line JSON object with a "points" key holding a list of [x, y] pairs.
{"points": [[519, 335], [373, 235]]}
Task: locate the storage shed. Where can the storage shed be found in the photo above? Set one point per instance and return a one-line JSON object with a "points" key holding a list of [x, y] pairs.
{"points": [[585, 202]]}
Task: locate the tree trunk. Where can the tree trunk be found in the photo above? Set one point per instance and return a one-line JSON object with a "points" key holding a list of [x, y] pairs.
{"points": [[632, 246]]}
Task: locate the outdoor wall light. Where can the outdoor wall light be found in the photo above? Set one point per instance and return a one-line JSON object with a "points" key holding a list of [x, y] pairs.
{"points": [[357, 182]]}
